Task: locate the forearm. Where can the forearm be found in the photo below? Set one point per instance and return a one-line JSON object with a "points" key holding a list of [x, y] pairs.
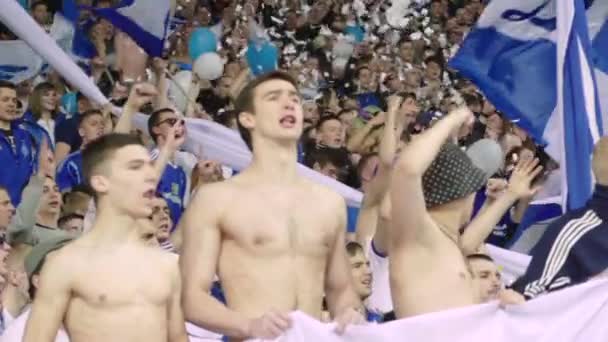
{"points": [[25, 218], [239, 83], [343, 300], [161, 162], [388, 144], [163, 86], [420, 152], [208, 313], [520, 209], [125, 122], [481, 227]]}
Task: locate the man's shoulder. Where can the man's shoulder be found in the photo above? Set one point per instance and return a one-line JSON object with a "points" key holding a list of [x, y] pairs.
{"points": [[322, 193]]}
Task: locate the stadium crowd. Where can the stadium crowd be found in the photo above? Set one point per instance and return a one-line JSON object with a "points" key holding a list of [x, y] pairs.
{"points": [[76, 183]]}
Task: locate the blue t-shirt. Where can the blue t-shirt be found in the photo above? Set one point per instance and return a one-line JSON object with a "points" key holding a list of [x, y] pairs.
{"points": [[172, 187], [18, 159], [67, 133], [69, 172]]}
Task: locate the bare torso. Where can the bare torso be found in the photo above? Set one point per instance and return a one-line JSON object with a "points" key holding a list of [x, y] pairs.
{"points": [[429, 277], [276, 241], [120, 293]]}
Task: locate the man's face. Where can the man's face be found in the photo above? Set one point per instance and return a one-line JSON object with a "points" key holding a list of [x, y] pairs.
{"points": [[91, 128], [433, 71], [486, 278], [223, 89], [278, 112], [161, 219], [436, 10], [406, 52], [348, 117], [330, 170], [311, 111], [7, 210], [41, 14], [409, 110], [495, 123], [50, 202], [129, 182], [413, 78], [361, 274], [84, 105], [365, 79], [73, 226], [330, 133], [8, 104], [166, 121]]}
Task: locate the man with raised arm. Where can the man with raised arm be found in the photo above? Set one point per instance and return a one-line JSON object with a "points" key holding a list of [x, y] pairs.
{"points": [[275, 239], [110, 285], [432, 194]]}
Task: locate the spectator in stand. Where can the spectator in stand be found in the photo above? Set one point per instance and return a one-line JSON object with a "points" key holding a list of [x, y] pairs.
{"points": [[330, 132], [161, 219], [362, 276], [173, 182], [18, 147], [72, 224], [41, 14], [67, 136], [486, 277], [4, 274], [77, 200], [330, 162], [69, 172], [43, 115]]}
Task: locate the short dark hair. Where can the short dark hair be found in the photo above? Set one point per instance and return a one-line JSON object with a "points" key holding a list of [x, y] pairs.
{"points": [[479, 256], [38, 3], [69, 216], [244, 102], [87, 115], [100, 150], [326, 118], [154, 119], [7, 85], [327, 155], [352, 248], [407, 95]]}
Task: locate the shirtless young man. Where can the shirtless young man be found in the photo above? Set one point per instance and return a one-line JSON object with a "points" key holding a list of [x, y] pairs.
{"points": [[432, 194], [275, 239], [109, 285]]}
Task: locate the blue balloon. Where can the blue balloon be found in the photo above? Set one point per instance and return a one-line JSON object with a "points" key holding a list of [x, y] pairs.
{"points": [[69, 103], [201, 41], [356, 31], [262, 59]]}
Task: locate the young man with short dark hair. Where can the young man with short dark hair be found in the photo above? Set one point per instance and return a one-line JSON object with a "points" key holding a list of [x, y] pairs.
{"points": [[275, 239], [486, 277], [18, 148], [110, 273]]}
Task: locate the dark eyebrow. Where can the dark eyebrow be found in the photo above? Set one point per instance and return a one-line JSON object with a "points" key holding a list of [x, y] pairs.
{"points": [[279, 91], [136, 162]]}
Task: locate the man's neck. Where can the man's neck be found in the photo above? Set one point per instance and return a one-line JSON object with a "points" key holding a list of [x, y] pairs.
{"points": [[5, 125], [113, 227], [46, 115], [275, 161], [448, 220], [47, 219]]}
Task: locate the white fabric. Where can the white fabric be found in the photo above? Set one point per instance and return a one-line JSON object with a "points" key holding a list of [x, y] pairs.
{"points": [[512, 264], [49, 127], [15, 331], [572, 315], [380, 300], [7, 317]]}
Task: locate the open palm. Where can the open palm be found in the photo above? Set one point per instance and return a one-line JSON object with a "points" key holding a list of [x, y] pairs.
{"points": [[520, 183]]}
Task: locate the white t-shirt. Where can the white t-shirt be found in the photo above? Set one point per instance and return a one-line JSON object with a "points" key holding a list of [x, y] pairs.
{"points": [[380, 300]]}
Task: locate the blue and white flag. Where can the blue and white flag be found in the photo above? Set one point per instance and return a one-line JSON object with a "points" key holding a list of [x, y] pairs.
{"points": [[145, 21], [18, 62], [534, 60]]}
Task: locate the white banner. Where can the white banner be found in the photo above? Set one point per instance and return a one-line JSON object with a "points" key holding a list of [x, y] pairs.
{"points": [[577, 314]]}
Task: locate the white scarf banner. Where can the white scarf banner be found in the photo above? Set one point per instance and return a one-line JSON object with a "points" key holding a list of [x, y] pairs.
{"points": [[576, 314]]}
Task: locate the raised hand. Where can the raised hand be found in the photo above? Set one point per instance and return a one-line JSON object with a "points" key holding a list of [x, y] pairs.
{"points": [[520, 184], [159, 65], [394, 103], [140, 95], [269, 326], [176, 136], [379, 119], [495, 187]]}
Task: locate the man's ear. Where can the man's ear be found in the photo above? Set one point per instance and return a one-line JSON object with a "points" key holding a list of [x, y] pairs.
{"points": [[100, 184], [246, 120]]}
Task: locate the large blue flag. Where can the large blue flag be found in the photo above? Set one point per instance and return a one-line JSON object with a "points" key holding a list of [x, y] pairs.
{"points": [[145, 21], [534, 60]]}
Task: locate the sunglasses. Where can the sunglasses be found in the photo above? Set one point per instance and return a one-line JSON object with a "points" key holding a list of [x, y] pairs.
{"points": [[170, 121]]}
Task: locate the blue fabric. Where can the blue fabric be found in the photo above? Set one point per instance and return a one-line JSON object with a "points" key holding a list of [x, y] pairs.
{"points": [[18, 161], [69, 172], [373, 316], [368, 99], [173, 187], [352, 214], [38, 131], [579, 255], [505, 229], [67, 133]]}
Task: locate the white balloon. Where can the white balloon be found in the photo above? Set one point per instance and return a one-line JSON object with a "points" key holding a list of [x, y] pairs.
{"points": [[209, 66], [182, 79], [487, 155]]}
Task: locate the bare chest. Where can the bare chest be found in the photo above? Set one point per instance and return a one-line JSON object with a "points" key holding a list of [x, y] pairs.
{"points": [[284, 222], [120, 281]]}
